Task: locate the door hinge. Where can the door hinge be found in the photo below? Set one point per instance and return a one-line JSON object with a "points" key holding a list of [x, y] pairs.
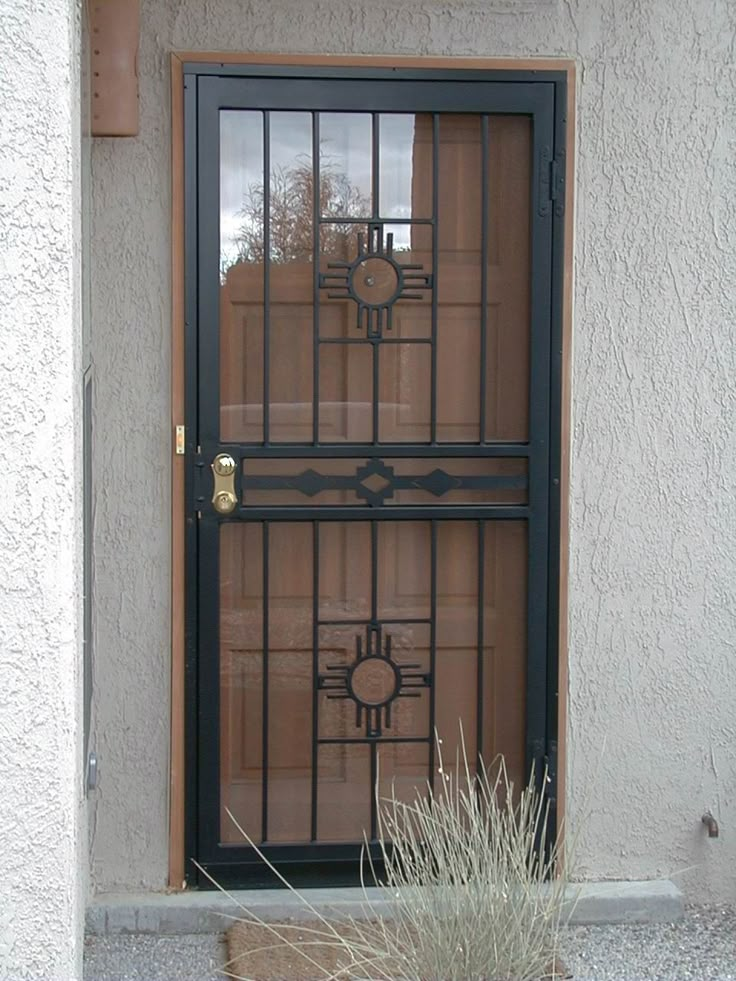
{"points": [[551, 183], [550, 762], [180, 440], [557, 183], [199, 478]]}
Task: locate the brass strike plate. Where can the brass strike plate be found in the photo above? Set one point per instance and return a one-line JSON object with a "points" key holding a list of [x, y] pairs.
{"points": [[223, 470], [180, 441]]}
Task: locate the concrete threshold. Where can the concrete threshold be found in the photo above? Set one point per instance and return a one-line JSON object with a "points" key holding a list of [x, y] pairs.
{"points": [[188, 912]]}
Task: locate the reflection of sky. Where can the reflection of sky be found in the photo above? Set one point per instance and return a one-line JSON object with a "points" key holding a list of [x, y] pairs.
{"points": [[345, 144]]}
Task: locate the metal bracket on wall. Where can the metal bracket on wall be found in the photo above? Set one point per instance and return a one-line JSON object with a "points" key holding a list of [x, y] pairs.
{"points": [[92, 771]]}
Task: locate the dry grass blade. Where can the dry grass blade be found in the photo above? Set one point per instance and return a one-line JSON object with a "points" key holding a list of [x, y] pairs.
{"points": [[469, 876]]}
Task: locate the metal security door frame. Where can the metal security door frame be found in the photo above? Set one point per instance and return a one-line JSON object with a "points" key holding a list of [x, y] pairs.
{"points": [[207, 88]]}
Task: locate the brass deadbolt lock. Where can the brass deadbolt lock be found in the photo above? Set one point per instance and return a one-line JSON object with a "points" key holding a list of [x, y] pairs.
{"points": [[223, 498], [224, 502]]}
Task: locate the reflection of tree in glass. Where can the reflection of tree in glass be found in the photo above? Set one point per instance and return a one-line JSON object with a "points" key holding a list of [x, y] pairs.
{"points": [[292, 215]]}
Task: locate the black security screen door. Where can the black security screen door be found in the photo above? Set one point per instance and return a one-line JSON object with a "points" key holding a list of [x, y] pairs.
{"points": [[372, 435]]}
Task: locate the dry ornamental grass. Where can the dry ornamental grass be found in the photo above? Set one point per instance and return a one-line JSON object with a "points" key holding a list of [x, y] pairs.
{"points": [[468, 875]]}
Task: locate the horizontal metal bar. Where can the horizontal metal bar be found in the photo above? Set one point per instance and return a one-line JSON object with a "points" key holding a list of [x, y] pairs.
{"points": [[361, 622], [376, 221], [428, 95], [375, 339], [331, 450], [487, 512], [230, 855], [367, 741], [496, 75]]}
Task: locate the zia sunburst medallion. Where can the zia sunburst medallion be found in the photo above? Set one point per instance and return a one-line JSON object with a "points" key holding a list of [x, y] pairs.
{"points": [[374, 280], [373, 681]]}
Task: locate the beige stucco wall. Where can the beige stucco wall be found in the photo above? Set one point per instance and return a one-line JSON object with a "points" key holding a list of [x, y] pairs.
{"points": [[42, 841], [652, 701]]}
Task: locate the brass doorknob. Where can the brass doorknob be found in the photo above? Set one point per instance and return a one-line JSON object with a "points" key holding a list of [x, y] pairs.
{"points": [[223, 465], [224, 499]]}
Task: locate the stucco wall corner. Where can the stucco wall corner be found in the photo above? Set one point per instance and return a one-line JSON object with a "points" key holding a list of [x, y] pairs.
{"points": [[42, 856]]}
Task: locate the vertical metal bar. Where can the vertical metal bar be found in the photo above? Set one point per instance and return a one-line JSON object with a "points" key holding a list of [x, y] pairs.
{"points": [[376, 349], [432, 646], [481, 641], [375, 235], [376, 142], [539, 438], [208, 259], [264, 692], [209, 696], [374, 571], [316, 214], [374, 620], [554, 560], [315, 674], [374, 790], [266, 276], [484, 216], [435, 272]]}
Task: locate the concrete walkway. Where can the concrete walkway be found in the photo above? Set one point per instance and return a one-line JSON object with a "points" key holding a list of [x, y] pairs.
{"points": [[700, 947], [136, 957]]}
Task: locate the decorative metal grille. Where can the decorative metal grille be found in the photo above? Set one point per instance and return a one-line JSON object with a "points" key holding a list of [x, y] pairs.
{"points": [[376, 482]]}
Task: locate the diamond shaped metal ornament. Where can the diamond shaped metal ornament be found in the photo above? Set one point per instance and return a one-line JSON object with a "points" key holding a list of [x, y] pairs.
{"points": [[375, 482]]}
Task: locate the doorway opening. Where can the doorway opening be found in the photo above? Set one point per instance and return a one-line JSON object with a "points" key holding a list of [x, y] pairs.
{"points": [[373, 306]]}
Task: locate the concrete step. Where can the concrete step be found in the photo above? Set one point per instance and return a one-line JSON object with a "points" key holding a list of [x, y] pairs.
{"points": [[200, 911]]}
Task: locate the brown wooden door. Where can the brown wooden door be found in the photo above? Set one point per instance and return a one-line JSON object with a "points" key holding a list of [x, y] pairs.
{"points": [[373, 382]]}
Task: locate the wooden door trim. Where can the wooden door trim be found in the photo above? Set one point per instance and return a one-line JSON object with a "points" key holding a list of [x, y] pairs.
{"points": [[178, 59]]}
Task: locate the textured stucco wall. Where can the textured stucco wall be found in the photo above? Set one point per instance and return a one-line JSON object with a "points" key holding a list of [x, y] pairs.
{"points": [[652, 606], [42, 862]]}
